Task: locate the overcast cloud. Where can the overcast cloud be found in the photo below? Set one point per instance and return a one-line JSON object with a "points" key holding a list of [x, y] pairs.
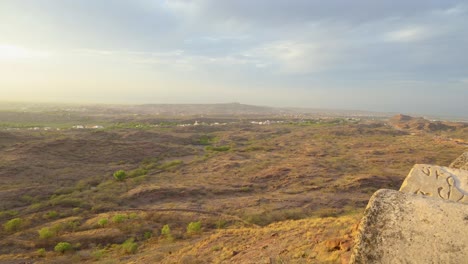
{"points": [[401, 56]]}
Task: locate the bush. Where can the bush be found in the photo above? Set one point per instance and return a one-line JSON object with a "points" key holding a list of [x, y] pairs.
{"points": [[13, 225], [166, 233], [62, 247], [51, 214], [129, 247], [119, 218], [194, 227], [103, 222], [46, 233], [147, 235], [120, 175], [41, 252]]}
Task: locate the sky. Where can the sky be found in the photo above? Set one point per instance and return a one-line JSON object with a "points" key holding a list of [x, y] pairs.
{"points": [[393, 56]]}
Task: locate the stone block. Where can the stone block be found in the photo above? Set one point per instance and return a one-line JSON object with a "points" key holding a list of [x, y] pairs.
{"points": [[437, 181], [407, 228], [461, 162]]}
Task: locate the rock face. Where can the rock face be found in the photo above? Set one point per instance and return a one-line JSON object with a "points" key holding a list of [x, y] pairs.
{"points": [[437, 181], [461, 162], [407, 228]]}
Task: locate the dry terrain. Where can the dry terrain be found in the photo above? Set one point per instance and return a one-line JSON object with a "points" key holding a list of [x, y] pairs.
{"points": [[230, 189]]}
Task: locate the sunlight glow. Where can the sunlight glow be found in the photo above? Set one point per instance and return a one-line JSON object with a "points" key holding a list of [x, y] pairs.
{"points": [[11, 52]]}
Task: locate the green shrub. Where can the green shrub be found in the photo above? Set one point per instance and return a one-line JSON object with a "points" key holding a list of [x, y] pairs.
{"points": [[166, 230], [120, 175], [103, 222], [13, 225], [62, 247], [148, 234], [46, 233], [166, 233], [129, 246], [194, 227], [51, 214], [119, 218], [133, 216], [41, 252]]}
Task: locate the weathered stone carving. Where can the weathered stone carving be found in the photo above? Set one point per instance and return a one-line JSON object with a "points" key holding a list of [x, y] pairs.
{"points": [[407, 228], [437, 181], [461, 162]]}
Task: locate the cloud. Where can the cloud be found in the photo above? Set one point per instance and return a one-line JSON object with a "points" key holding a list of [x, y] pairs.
{"points": [[320, 48], [408, 34]]}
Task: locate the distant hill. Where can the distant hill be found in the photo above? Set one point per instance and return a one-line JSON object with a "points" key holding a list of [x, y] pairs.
{"points": [[207, 109], [420, 124], [175, 110]]}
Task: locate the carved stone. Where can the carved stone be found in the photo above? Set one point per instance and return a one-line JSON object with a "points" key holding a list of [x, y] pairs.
{"points": [[437, 181], [461, 162], [407, 228]]}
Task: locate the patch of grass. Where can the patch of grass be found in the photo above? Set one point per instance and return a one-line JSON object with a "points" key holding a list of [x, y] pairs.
{"points": [[119, 218], [66, 201], [103, 222], [98, 254], [216, 248], [204, 140], [218, 148], [8, 214], [170, 164], [220, 224], [137, 172], [51, 215]]}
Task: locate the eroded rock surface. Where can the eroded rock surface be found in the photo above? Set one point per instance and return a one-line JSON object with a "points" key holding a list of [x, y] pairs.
{"points": [[437, 181], [461, 162], [407, 228]]}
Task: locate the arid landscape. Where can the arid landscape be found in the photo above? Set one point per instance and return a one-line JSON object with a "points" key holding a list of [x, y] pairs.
{"points": [[225, 183]]}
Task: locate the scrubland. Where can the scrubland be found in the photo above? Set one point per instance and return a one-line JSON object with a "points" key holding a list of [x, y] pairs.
{"points": [[224, 191]]}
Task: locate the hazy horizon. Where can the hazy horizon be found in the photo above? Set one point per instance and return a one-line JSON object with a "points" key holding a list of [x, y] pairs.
{"points": [[394, 56]]}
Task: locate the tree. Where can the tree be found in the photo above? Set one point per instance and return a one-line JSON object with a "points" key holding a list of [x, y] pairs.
{"points": [[61, 247]]}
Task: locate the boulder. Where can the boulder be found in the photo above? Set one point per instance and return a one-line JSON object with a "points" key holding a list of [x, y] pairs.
{"points": [[402, 227], [437, 181], [461, 162]]}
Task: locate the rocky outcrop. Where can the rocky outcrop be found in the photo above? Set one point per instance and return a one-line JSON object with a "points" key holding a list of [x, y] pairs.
{"points": [[425, 222], [408, 228], [461, 162]]}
